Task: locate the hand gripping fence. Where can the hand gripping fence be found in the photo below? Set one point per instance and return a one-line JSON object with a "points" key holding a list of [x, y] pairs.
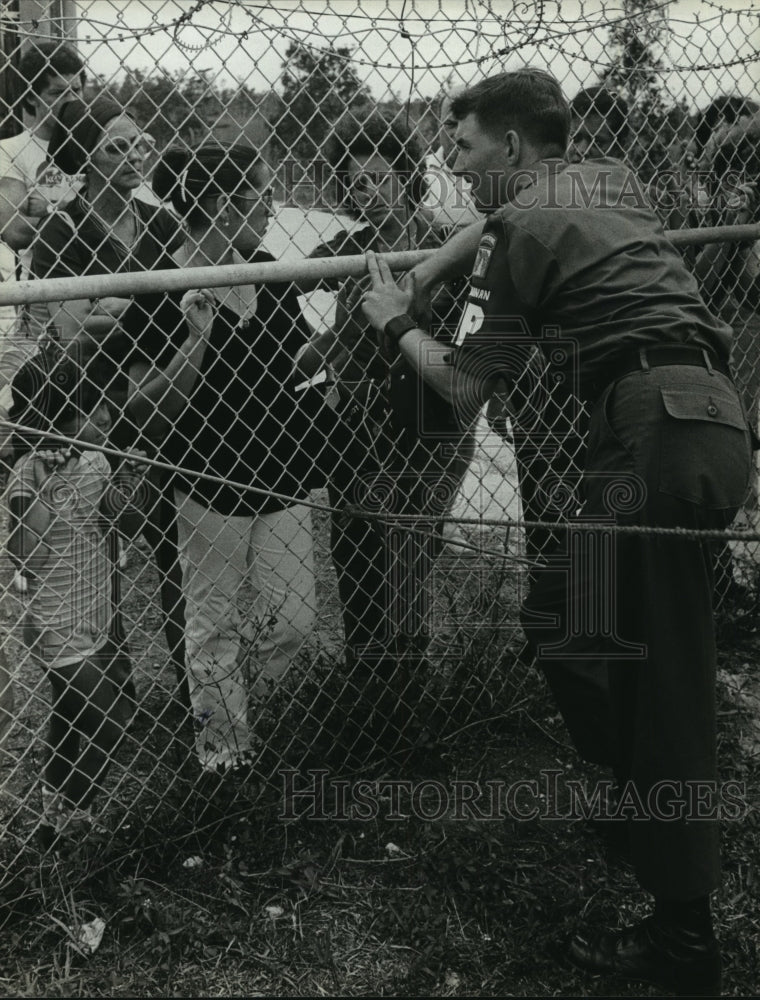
{"points": [[173, 655]]}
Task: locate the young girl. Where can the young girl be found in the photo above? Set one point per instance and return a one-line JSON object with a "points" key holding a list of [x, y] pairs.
{"points": [[63, 500]]}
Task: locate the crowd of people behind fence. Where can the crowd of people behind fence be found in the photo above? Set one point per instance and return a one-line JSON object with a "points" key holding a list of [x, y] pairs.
{"points": [[203, 421], [221, 385]]}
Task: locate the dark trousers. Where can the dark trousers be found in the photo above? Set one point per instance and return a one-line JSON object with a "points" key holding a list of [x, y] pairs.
{"points": [[160, 531], [669, 448], [550, 430], [384, 574], [93, 701]]}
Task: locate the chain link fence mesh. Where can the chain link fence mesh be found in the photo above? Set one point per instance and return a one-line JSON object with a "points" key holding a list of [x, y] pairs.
{"points": [[266, 635]]}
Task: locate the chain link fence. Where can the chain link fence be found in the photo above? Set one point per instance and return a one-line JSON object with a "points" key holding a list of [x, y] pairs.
{"points": [[197, 606]]}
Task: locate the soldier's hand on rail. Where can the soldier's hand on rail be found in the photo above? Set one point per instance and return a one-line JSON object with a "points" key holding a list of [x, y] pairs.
{"points": [[198, 307], [385, 299]]}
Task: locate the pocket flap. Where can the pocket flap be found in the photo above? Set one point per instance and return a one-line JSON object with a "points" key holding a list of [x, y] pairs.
{"points": [[713, 405]]}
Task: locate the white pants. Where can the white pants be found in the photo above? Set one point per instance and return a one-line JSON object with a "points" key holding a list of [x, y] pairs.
{"points": [[218, 555]]}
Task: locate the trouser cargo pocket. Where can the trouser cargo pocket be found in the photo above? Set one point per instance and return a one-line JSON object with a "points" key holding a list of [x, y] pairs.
{"points": [[705, 455]]}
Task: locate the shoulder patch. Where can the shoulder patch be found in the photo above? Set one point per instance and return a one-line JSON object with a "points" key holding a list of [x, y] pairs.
{"points": [[483, 256]]}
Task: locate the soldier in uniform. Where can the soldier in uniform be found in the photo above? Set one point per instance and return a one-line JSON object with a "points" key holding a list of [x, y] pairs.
{"points": [[573, 258]]}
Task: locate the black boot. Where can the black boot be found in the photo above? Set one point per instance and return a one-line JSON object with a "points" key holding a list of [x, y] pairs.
{"points": [[683, 960]]}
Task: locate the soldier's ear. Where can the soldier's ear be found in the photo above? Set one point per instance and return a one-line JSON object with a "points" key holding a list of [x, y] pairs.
{"points": [[512, 146]]}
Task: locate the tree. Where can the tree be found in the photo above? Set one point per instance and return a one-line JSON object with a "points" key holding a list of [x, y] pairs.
{"points": [[634, 69], [635, 73], [318, 86], [189, 105]]}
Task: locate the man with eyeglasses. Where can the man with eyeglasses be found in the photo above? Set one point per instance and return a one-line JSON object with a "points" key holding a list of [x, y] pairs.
{"points": [[51, 73]]}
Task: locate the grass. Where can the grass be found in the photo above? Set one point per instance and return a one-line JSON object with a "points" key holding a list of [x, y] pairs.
{"points": [[451, 905]]}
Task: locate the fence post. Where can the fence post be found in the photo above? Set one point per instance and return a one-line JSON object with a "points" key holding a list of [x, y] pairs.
{"points": [[56, 18]]}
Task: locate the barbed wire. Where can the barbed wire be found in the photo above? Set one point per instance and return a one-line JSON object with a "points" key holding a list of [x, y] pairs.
{"points": [[728, 10], [554, 32], [223, 30], [578, 54]]}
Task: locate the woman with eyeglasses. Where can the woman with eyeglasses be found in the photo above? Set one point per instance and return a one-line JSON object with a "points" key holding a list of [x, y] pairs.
{"points": [[212, 379], [107, 229]]}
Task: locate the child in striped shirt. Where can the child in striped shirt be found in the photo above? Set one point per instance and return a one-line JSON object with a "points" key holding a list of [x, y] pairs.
{"points": [[63, 499]]}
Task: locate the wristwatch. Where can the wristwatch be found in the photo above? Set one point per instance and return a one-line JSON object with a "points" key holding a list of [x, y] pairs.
{"points": [[395, 328]]}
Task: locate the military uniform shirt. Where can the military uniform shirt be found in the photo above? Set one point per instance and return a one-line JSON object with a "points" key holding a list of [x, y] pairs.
{"points": [[579, 263]]}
